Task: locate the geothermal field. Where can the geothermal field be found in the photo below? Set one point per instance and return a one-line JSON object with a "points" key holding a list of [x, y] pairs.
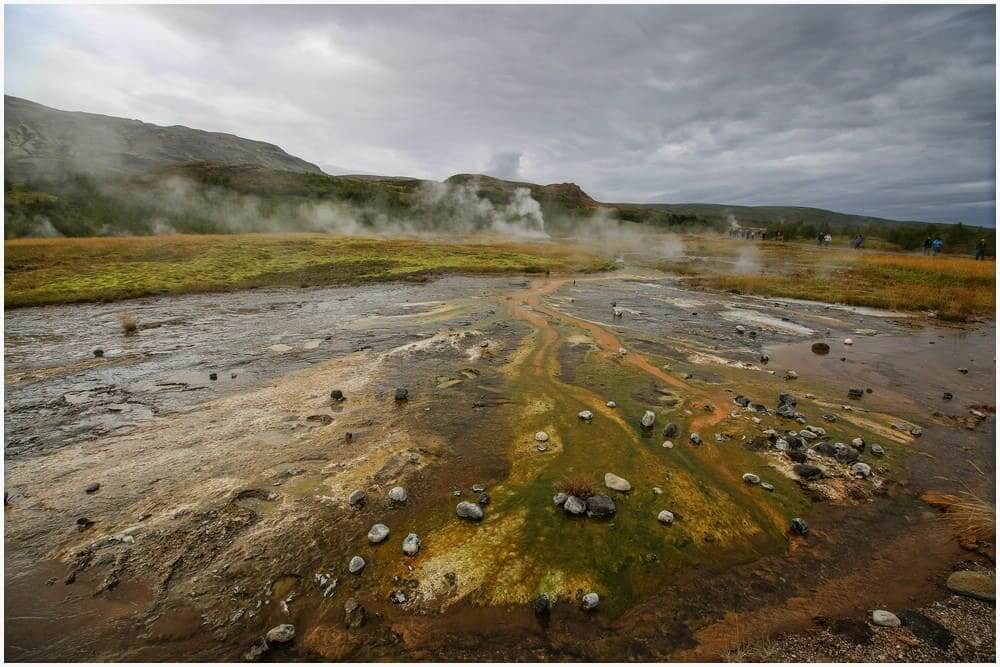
{"points": [[619, 462]]}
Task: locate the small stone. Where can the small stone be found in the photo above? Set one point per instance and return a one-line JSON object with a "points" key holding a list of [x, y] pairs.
{"points": [[411, 544], [963, 371], [397, 597], [978, 585], [667, 444], [916, 431], [799, 526], [590, 600], [791, 375], [398, 495], [574, 505], [848, 341], [336, 395], [657, 491], [541, 436], [357, 498], [877, 450], [213, 376], [378, 533], [98, 353], [767, 486], [821, 348], [886, 619], [670, 430], [616, 483], [354, 614], [858, 444], [542, 605], [855, 392], [470, 511], [695, 439], [92, 488], [478, 488], [751, 478], [665, 517], [861, 470], [585, 415], [612, 404], [740, 329], [280, 634], [764, 358], [356, 565], [947, 396], [559, 499], [402, 394], [648, 419], [483, 499]]}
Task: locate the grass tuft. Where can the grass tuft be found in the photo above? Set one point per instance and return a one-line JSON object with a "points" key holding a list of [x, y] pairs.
{"points": [[574, 486], [129, 323]]}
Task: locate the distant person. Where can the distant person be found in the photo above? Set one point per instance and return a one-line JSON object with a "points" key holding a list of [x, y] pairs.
{"points": [[927, 245], [828, 239], [819, 239], [937, 245], [981, 249], [858, 240]]}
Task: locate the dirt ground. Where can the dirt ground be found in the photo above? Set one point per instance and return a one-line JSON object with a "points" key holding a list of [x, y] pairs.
{"points": [[223, 504]]}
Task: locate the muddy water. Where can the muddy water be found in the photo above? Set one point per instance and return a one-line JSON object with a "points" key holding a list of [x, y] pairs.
{"points": [[234, 500]]}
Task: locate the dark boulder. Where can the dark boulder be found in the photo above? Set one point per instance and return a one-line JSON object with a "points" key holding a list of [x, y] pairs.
{"points": [[807, 471], [927, 629], [600, 507], [799, 526]]}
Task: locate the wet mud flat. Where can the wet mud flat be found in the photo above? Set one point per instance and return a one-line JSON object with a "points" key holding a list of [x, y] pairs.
{"points": [[223, 508]]}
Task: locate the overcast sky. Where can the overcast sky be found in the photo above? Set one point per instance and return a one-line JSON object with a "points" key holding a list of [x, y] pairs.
{"points": [[886, 111]]}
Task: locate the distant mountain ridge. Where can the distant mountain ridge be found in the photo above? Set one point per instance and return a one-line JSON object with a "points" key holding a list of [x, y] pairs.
{"points": [[40, 141], [117, 174]]}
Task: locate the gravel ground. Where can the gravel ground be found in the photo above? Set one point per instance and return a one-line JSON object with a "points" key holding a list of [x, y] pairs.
{"points": [[971, 621]]}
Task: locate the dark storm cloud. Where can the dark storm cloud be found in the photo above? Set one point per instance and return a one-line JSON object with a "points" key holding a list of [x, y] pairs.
{"points": [[878, 110]]}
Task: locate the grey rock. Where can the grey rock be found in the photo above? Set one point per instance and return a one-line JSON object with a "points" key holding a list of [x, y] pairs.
{"points": [[590, 600], [470, 511], [862, 470], [483, 499], [616, 483], [411, 544], [767, 486], [478, 488], [927, 629], [648, 419], [378, 533], [402, 394], [397, 494], [92, 488], [397, 597], [354, 614], [559, 499], [695, 439], [670, 430], [585, 415], [356, 565], [807, 471], [665, 517], [751, 478], [541, 436], [799, 526], [600, 507], [877, 450], [886, 619], [612, 404], [785, 398], [280, 634], [574, 505]]}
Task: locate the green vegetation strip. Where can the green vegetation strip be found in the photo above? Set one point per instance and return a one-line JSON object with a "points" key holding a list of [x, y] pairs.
{"points": [[50, 271]]}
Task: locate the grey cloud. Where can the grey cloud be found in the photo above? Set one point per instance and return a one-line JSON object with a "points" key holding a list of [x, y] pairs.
{"points": [[882, 110]]}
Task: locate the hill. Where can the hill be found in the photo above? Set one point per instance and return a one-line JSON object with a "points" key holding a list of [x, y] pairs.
{"points": [[81, 174], [44, 143]]}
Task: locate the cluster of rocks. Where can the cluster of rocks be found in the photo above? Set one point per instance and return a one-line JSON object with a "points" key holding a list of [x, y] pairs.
{"points": [[595, 507]]}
